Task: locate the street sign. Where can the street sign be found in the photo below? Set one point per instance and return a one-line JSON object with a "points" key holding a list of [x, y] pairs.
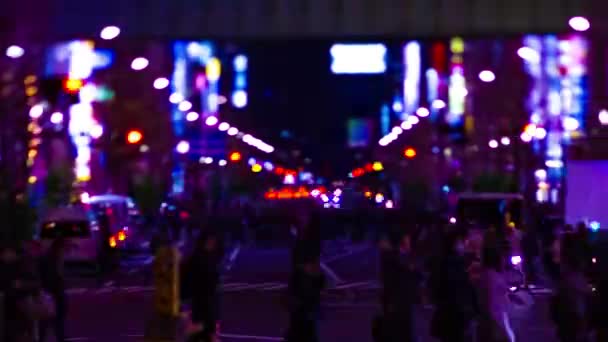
{"points": [[166, 282]]}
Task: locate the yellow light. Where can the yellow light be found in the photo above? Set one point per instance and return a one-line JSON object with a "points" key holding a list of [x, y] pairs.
{"points": [[133, 137], [32, 127], [377, 166], [73, 85], [32, 153], [213, 69], [112, 242], [457, 59], [256, 168], [35, 142], [530, 129], [30, 162], [122, 236], [30, 79], [32, 179], [543, 185], [368, 194], [31, 91], [410, 152], [457, 45], [235, 156]]}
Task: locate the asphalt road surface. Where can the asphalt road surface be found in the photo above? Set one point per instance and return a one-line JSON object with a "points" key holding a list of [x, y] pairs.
{"points": [[252, 302]]}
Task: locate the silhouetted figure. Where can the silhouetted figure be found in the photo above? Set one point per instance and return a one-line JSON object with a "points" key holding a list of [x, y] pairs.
{"points": [[305, 286], [202, 284], [494, 323], [453, 292], [53, 281], [399, 290], [570, 304]]}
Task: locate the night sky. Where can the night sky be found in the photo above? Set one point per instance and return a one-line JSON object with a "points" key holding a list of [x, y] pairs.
{"points": [[291, 87]]}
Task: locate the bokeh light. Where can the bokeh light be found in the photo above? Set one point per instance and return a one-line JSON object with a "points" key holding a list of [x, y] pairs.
{"points": [[133, 137], [487, 76], [580, 24], [184, 106], [176, 98], [36, 111], [211, 121], [232, 131], [15, 51], [161, 83], [235, 156], [57, 118], [192, 116], [493, 143], [182, 147], [224, 126], [422, 112], [96, 131], [139, 63], [603, 117], [409, 152], [109, 33]]}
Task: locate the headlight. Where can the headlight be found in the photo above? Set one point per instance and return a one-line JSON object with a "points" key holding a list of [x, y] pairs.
{"points": [[516, 260]]}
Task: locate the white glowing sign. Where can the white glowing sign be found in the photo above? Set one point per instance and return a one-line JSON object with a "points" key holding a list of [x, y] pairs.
{"points": [[411, 81], [457, 93], [358, 58]]}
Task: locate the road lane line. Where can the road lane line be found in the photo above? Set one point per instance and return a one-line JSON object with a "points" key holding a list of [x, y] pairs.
{"points": [[251, 337], [347, 254], [334, 277], [352, 285]]}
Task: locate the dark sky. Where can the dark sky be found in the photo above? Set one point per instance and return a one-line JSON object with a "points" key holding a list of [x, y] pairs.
{"points": [[291, 87]]}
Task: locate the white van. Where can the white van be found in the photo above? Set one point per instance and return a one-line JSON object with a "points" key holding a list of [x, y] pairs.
{"points": [[77, 227]]}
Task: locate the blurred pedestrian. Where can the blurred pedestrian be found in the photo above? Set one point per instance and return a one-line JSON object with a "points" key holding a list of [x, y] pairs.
{"points": [[9, 270], [54, 282], [494, 323], [106, 250], [570, 305], [201, 282], [453, 292], [399, 290], [308, 239], [305, 288]]}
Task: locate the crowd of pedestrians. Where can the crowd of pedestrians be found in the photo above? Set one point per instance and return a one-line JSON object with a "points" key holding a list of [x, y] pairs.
{"points": [[32, 284], [473, 296]]}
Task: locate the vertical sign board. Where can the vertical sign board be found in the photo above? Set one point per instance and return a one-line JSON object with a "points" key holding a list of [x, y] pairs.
{"points": [[166, 281]]}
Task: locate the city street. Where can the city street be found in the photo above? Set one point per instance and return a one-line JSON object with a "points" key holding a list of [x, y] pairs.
{"points": [[252, 303]]}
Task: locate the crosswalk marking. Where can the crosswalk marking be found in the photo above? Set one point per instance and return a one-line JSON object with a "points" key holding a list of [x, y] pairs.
{"points": [[262, 287]]}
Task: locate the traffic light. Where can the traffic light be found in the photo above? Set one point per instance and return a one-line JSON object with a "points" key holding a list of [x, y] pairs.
{"points": [[235, 156], [72, 85], [134, 137], [409, 153]]}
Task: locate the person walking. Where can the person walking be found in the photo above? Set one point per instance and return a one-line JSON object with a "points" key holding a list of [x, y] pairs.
{"points": [[53, 281], [305, 288], [399, 290], [570, 304], [494, 323], [202, 276], [453, 292]]}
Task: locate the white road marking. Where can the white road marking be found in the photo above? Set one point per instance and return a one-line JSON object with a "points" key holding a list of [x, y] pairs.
{"points": [[334, 277], [346, 254], [251, 337]]}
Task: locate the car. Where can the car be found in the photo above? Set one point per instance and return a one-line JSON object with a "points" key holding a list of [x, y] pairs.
{"points": [[122, 216], [78, 227]]}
